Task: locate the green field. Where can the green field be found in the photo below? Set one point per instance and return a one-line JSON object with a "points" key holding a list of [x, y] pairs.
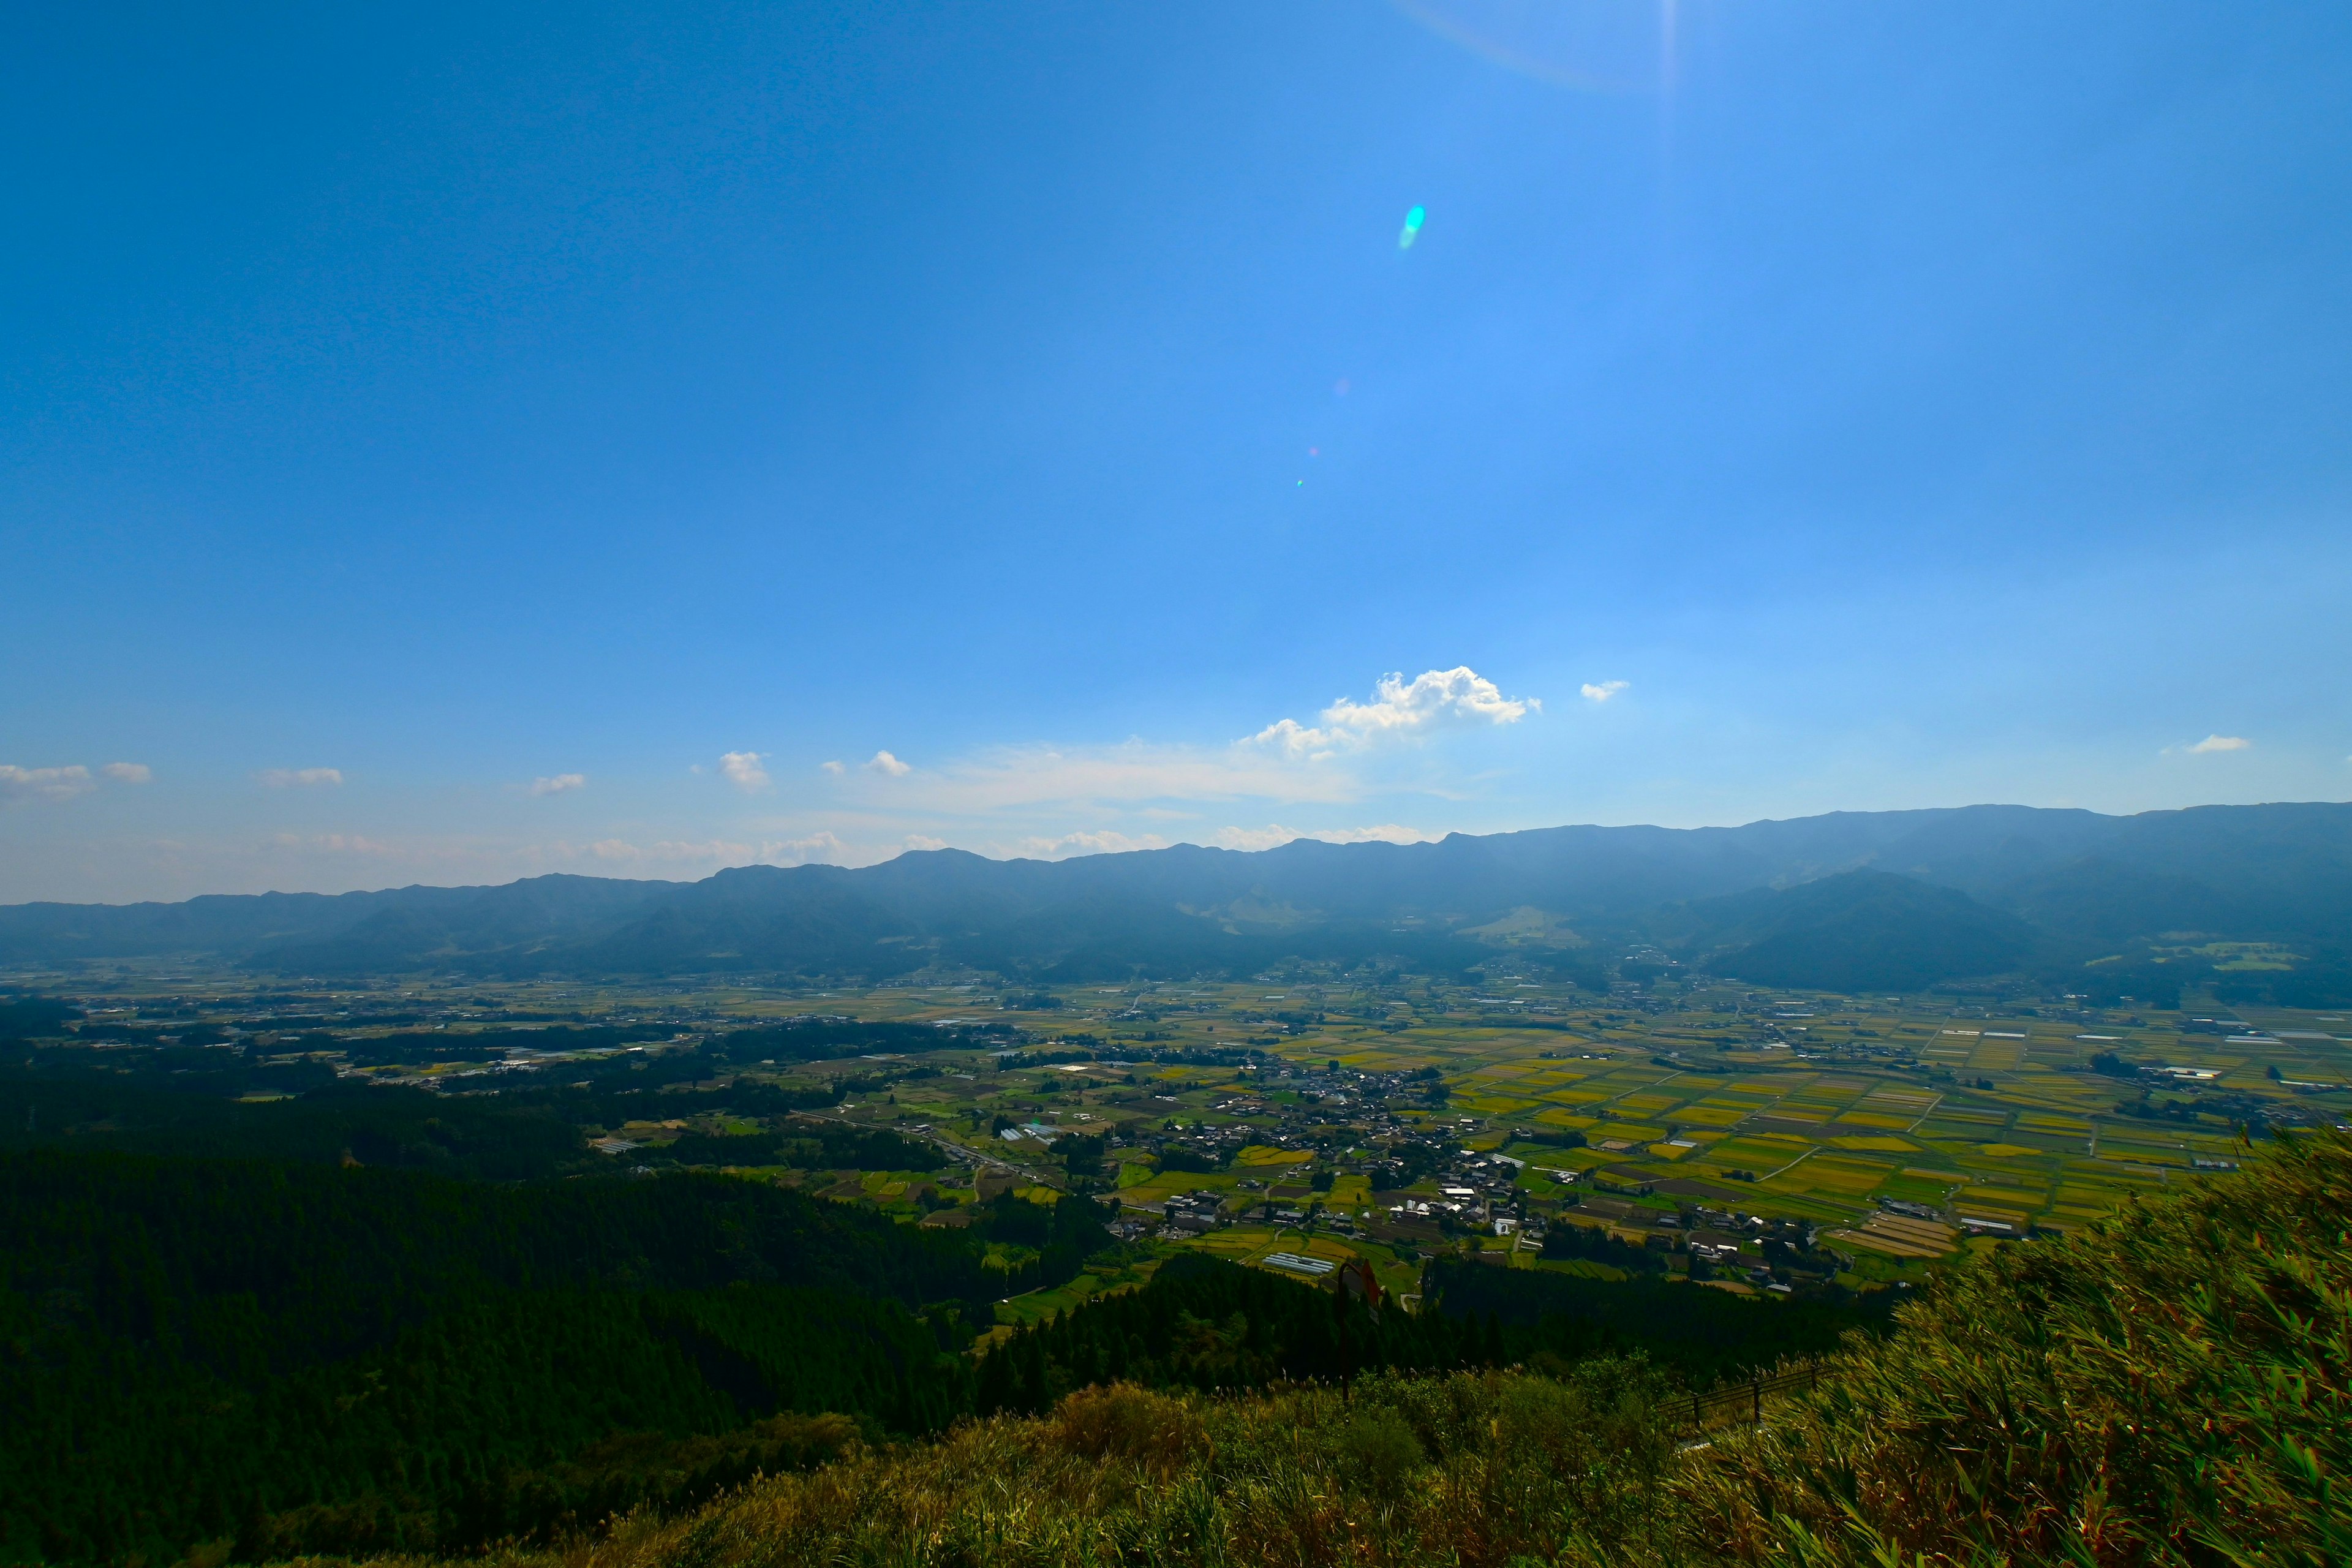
{"points": [[1802, 1107]]}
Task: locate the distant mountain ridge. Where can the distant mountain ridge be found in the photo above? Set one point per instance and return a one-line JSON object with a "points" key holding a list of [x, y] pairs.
{"points": [[2024, 878]]}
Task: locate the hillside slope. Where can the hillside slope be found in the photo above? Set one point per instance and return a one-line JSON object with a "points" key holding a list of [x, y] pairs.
{"points": [[1859, 930], [2172, 1388], [307, 1357]]}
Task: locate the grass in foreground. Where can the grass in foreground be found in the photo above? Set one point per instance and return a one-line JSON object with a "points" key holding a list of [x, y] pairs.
{"points": [[1478, 1469], [2168, 1387]]}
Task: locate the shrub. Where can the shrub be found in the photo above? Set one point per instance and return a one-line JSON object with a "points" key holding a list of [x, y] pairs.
{"points": [[1131, 1424], [2173, 1385]]}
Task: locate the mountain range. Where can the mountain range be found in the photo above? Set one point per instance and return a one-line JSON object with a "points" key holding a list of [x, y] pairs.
{"points": [[1852, 900]]}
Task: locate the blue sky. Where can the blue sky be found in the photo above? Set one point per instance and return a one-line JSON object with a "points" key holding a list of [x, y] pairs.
{"points": [[452, 444]]}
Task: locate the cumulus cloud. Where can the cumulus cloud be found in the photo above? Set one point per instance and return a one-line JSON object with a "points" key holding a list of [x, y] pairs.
{"points": [[817, 849], [1285, 764], [836, 769], [2221, 744], [558, 784], [1602, 691], [924, 841], [44, 783], [299, 778], [19, 785], [743, 771], [1436, 698]]}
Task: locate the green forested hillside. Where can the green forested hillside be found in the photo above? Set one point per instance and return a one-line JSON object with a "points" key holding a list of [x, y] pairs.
{"points": [[309, 1354], [1704, 1336], [301, 1358], [1206, 1324], [2172, 1389], [215, 1102], [1211, 1326], [277, 1360]]}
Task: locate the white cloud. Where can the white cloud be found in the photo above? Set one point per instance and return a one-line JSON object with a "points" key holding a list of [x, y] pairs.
{"points": [[1436, 698], [44, 783], [836, 769], [301, 778], [559, 784], [1274, 835], [743, 770], [715, 850], [821, 848], [353, 844], [1014, 778], [713, 853], [1285, 764], [1602, 691], [2221, 744], [924, 841], [19, 785], [1102, 842], [1271, 836], [346, 844]]}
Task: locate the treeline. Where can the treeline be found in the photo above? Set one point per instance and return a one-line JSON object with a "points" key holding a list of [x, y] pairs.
{"points": [[1703, 1335], [324, 1120], [410, 1046], [1056, 1239], [25, 1016], [192, 1101], [308, 1358], [1206, 1324], [823, 1038], [1597, 1244], [2324, 980], [2317, 978], [268, 1265], [505, 1412], [806, 1145]]}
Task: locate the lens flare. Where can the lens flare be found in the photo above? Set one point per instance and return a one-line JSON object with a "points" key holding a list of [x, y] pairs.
{"points": [[1412, 221]]}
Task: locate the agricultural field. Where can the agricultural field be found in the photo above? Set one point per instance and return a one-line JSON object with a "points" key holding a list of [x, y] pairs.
{"points": [[1818, 1110], [1981, 1121], [1320, 1118]]}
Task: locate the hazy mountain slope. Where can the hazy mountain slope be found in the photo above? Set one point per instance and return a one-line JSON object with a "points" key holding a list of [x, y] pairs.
{"points": [[227, 924], [2252, 872], [2099, 899], [1860, 931]]}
